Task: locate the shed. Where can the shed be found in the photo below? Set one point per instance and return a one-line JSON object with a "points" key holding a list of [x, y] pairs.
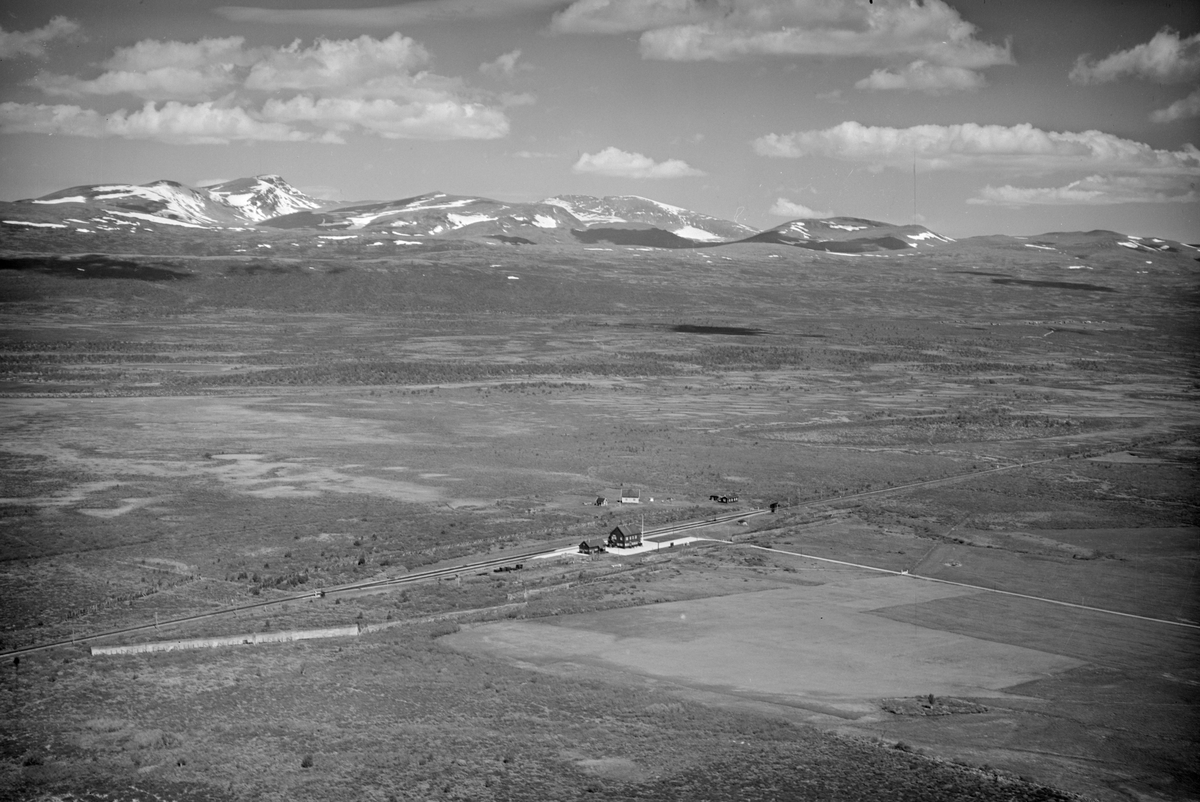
{"points": [[631, 496], [624, 538], [601, 501]]}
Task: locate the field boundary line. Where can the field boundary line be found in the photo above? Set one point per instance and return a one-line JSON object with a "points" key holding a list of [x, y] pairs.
{"points": [[894, 572]]}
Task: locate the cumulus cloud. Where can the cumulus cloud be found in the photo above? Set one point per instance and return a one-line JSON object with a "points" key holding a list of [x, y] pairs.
{"points": [[33, 43], [1095, 190], [504, 66], [622, 164], [971, 146], [318, 92], [414, 12], [786, 208], [1166, 58], [174, 122], [156, 70], [701, 30], [364, 66], [921, 76], [1182, 109]]}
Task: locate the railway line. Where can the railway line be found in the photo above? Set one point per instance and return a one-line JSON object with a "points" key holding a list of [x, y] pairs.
{"points": [[653, 535]]}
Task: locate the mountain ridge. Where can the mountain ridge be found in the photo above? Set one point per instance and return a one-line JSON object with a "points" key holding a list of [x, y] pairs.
{"points": [[267, 201]]}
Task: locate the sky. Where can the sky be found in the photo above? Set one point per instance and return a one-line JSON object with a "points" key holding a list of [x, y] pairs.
{"points": [[966, 116]]}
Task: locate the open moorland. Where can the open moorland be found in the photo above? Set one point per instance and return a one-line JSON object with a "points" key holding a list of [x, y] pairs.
{"points": [[189, 428]]}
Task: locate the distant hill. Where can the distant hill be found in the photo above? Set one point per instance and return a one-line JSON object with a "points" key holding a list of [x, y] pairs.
{"points": [[438, 214], [849, 235], [651, 213]]}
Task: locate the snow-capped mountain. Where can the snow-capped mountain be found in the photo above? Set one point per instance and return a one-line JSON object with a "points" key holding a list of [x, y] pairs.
{"points": [[644, 211], [161, 201], [849, 235], [435, 214], [262, 197], [239, 202]]}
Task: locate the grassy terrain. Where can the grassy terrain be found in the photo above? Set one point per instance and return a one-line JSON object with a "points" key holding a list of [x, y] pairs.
{"points": [[187, 426]]}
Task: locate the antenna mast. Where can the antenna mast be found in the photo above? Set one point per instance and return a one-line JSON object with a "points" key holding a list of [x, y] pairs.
{"points": [[914, 214]]}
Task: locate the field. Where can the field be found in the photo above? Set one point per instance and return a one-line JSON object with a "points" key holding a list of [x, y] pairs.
{"points": [[187, 429]]}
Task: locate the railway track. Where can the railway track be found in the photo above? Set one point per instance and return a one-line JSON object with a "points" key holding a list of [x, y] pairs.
{"points": [[656, 534]]}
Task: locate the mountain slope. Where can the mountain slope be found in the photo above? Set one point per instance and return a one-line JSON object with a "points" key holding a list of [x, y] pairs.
{"points": [[849, 235], [636, 209], [233, 203], [262, 197], [169, 201], [437, 214]]}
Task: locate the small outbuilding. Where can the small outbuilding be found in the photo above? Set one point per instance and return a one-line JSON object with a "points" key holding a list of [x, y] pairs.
{"points": [[585, 548], [601, 501], [624, 538], [631, 496]]}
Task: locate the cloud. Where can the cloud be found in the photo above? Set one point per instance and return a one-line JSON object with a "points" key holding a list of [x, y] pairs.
{"points": [[33, 43], [504, 66], [155, 70], [534, 154], [1095, 190], [622, 164], [317, 92], [447, 119], [178, 123], [1182, 109], [628, 16], [701, 30], [1166, 58], [786, 208], [364, 66], [922, 76], [971, 146], [394, 16]]}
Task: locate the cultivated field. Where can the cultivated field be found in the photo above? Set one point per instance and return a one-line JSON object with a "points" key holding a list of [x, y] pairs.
{"points": [[185, 429]]}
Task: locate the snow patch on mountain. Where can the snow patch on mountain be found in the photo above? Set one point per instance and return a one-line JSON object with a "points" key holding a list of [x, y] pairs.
{"points": [[69, 199], [32, 225], [691, 232], [153, 218], [461, 220]]}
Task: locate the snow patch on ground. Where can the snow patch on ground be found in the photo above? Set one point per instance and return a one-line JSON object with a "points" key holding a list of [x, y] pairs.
{"points": [[1039, 247], [544, 221]]}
